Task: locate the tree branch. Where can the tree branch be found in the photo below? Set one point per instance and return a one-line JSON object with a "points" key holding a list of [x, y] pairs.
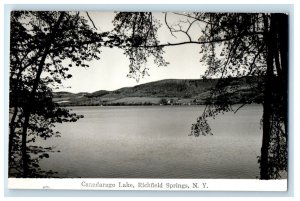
{"points": [[170, 29], [87, 13]]}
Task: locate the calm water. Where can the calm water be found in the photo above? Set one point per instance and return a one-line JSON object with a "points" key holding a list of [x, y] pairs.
{"points": [[153, 142]]}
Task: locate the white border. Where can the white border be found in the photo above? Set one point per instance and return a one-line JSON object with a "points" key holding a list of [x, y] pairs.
{"points": [[150, 184]]}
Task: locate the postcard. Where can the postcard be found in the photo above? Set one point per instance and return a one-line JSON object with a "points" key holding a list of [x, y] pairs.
{"points": [[174, 101]]}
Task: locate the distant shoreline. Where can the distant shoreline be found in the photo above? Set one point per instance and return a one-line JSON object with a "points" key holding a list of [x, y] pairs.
{"points": [[167, 92], [71, 106]]}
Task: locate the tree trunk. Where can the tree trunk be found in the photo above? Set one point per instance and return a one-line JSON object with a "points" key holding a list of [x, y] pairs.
{"points": [[267, 102], [277, 46], [12, 121], [282, 20], [24, 143], [30, 104], [11, 136]]}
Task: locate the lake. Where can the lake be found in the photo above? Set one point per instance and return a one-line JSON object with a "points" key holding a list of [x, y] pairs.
{"points": [[153, 142]]}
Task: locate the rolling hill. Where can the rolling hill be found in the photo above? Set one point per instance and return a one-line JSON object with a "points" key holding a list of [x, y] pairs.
{"points": [[164, 92]]}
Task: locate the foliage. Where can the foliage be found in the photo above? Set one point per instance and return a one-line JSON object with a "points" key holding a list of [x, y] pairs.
{"points": [[139, 33], [44, 45], [163, 101]]}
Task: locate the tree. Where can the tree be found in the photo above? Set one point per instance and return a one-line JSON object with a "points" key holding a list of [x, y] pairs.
{"points": [[163, 101], [44, 45], [233, 45]]}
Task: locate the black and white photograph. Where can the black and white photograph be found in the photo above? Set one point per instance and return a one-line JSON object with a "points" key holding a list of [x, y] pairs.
{"points": [[148, 95]]}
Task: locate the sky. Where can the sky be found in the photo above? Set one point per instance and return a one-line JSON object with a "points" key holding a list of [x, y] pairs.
{"points": [[110, 72]]}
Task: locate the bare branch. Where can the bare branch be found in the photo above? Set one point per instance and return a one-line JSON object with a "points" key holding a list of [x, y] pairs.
{"points": [[87, 13], [189, 16], [170, 29]]}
